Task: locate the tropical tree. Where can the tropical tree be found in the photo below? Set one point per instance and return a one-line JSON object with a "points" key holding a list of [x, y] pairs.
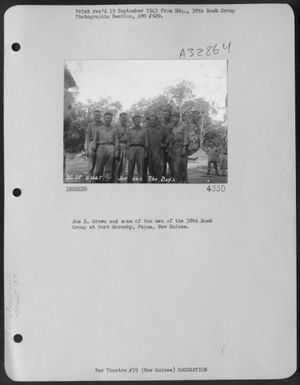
{"points": [[155, 105], [180, 94]]}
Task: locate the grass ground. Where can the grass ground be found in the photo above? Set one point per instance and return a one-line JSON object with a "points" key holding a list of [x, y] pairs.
{"points": [[77, 166]]}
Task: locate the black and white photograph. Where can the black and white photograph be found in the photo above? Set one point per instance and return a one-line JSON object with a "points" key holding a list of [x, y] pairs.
{"points": [[145, 121], [193, 281]]}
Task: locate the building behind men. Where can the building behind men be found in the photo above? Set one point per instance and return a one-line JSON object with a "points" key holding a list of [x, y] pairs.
{"points": [[69, 83]]}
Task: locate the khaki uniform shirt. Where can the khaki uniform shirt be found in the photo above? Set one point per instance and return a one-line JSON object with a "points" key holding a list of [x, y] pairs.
{"points": [[157, 135], [213, 154], [122, 132], [168, 126], [180, 135], [223, 149], [137, 136], [106, 135], [90, 133]]}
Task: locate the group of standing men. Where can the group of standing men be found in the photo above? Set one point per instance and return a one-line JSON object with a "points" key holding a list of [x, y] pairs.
{"points": [[157, 150]]}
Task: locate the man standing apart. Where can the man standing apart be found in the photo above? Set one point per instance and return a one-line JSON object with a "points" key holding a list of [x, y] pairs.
{"points": [[158, 140], [120, 157], [179, 142], [137, 142], [105, 144], [213, 157], [223, 156], [89, 137]]}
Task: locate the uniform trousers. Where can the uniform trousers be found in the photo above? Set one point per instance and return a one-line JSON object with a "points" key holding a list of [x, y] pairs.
{"points": [[136, 157], [104, 162]]}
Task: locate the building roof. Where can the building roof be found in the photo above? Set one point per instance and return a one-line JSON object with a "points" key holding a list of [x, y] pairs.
{"points": [[69, 80]]}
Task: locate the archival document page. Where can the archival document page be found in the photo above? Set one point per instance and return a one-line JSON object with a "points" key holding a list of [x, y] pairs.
{"points": [[150, 225]]}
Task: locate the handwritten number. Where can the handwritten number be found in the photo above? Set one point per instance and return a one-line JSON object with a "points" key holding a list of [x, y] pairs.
{"points": [[227, 47], [215, 49], [208, 50], [199, 51]]}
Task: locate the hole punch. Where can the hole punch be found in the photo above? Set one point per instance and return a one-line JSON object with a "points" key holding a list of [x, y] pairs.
{"points": [[18, 338], [16, 47], [17, 192]]}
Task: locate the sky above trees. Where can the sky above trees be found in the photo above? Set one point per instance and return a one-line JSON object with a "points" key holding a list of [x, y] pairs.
{"points": [[128, 81]]}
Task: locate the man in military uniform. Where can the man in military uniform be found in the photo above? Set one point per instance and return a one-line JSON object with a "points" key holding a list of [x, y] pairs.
{"points": [[120, 157], [213, 156], [105, 143], [158, 141], [167, 125], [179, 142], [89, 137], [223, 156], [146, 160], [137, 143]]}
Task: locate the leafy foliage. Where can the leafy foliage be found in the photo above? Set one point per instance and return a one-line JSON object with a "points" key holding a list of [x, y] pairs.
{"points": [[196, 112]]}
